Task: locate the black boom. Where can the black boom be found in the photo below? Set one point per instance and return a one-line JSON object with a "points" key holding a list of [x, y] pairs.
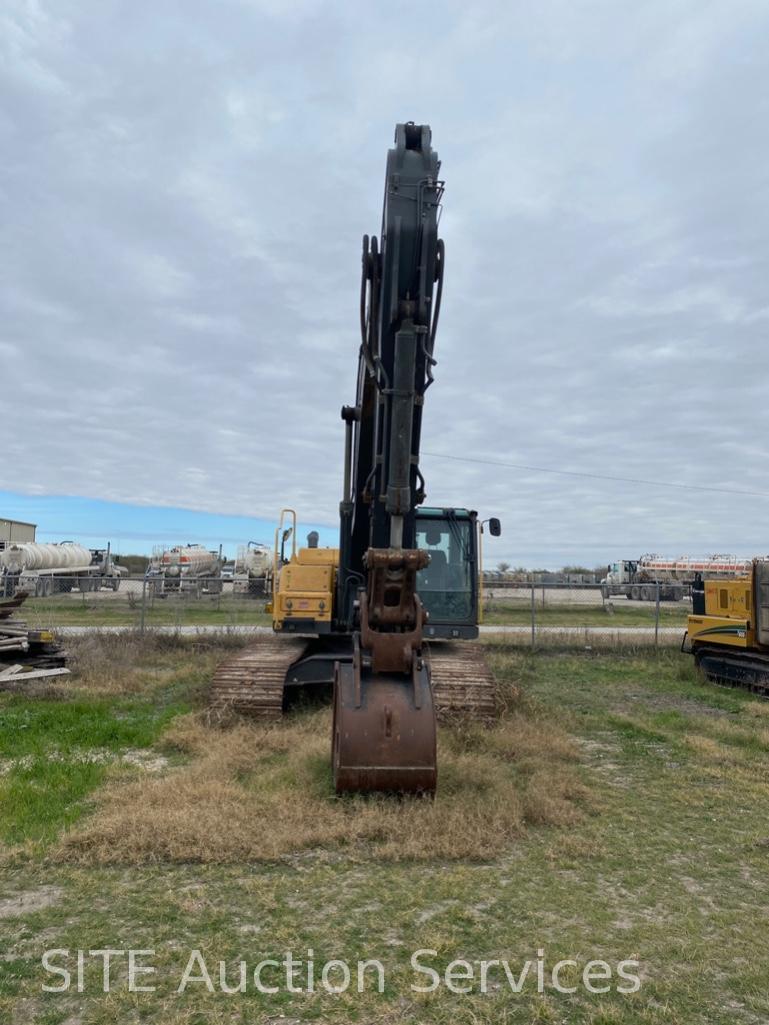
{"points": [[401, 286]]}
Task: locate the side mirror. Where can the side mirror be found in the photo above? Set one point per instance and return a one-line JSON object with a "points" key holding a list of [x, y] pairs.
{"points": [[495, 527], [285, 536]]}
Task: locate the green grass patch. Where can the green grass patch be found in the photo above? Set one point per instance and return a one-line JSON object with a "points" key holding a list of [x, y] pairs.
{"points": [[55, 753], [35, 727], [57, 749], [226, 610], [122, 610]]}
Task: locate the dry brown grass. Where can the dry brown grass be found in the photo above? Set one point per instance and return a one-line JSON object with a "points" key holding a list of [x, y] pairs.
{"points": [[264, 792], [758, 709], [710, 750], [129, 663]]}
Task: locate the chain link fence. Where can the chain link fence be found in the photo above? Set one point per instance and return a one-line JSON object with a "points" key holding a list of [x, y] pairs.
{"points": [[541, 614], [536, 614], [141, 602]]}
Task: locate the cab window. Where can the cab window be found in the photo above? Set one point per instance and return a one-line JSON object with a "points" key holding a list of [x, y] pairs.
{"points": [[445, 585]]}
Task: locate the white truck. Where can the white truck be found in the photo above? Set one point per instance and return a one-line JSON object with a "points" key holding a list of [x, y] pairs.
{"points": [[637, 579], [191, 569], [253, 570], [45, 569]]}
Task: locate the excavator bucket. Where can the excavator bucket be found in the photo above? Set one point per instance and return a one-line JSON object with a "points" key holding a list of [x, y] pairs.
{"points": [[384, 732]]}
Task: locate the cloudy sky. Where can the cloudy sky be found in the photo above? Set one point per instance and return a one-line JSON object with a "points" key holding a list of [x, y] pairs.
{"points": [[183, 190]]}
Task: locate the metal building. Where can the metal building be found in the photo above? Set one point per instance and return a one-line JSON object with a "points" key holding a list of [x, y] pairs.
{"points": [[14, 531]]}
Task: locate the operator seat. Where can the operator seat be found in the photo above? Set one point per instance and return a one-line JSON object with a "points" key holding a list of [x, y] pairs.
{"points": [[435, 574]]}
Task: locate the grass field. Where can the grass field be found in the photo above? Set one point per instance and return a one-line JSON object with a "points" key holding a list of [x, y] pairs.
{"points": [[501, 613], [125, 610], [618, 810], [223, 611]]}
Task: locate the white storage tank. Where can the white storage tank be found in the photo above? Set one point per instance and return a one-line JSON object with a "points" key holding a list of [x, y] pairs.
{"points": [[684, 568], [45, 557], [193, 559], [256, 560]]}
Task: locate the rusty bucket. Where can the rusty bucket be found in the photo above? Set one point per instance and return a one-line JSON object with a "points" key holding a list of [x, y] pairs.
{"points": [[383, 738]]}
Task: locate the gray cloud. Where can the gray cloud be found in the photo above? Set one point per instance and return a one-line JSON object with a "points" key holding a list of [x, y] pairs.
{"points": [[183, 193]]}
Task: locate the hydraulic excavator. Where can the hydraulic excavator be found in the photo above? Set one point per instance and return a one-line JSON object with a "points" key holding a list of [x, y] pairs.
{"points": [[386, 618]]}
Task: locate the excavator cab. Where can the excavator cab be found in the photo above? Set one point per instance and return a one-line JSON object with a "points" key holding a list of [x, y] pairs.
{"points": [[449, 585]]}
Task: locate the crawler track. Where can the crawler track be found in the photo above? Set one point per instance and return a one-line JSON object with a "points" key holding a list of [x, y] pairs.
{"points": [[462, 682], [251, 683], [749, 671]]}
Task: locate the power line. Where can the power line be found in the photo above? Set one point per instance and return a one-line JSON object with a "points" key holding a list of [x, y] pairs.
{"points": [[598, 476]]}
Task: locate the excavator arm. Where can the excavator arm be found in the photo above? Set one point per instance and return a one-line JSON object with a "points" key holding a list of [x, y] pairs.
{"points": [[401, 285], [384, 728]]}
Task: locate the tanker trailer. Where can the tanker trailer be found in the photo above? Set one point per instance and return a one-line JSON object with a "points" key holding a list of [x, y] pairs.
{"points": [[253, 570], [191, 569], [637, 579], [45, 569]]}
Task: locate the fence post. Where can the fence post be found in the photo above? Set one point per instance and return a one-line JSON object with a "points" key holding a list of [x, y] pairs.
{"points": [[533, 618], [657, 619], [144, 603]]}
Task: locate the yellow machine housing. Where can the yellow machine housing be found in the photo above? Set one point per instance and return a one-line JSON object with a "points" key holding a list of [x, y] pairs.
{"points": [[303, 585], [729, 618]]}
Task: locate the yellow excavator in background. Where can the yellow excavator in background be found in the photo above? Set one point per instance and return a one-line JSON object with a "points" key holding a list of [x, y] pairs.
{"points": [[386, 619], [728, 630]]}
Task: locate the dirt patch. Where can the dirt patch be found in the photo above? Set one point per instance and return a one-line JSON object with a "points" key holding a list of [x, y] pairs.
{"points": [[30, 901], [147, 761], [631, 703]]}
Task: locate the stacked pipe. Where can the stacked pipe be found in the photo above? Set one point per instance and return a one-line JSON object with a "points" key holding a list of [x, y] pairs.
{"points": [[13, 636]]}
